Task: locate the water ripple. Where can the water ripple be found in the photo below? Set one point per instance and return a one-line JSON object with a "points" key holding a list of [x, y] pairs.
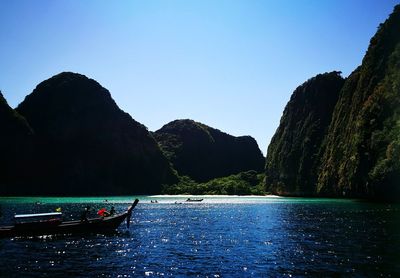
{"points": [[217, 239]]}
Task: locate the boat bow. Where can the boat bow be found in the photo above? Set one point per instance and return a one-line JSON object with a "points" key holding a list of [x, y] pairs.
{"points": [[129, 212]]}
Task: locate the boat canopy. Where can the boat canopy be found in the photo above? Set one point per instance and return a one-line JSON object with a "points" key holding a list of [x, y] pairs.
{"points": [[33, 215]]}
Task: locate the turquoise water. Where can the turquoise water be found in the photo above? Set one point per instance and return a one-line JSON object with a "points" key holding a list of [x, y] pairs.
{"points": [[219, 237], [165, 199]]}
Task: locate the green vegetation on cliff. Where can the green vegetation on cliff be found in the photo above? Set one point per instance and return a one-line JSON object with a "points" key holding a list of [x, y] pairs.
{"points": [[349, 143], [292, 159], [244, 183], [68, 137], [362, 155], [203, 153]]}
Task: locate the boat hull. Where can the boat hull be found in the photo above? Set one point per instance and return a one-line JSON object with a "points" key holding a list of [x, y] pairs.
{"points": [[194, 200]]}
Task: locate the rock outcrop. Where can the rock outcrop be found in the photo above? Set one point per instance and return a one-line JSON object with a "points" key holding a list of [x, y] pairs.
{"points": [[86, 145], [16, 146], [362, 154], [354, 149], [203, 153], [294, 151]]}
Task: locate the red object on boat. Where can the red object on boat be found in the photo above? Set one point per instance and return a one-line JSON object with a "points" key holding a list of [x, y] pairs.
{"points": [[36, 227], [101, 211]]}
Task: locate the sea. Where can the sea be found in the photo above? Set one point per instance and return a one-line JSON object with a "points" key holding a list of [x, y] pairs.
{"points": [[221, 236]]}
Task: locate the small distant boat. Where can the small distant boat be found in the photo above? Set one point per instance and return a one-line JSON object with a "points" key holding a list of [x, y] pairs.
{"points": [[193, 200], [51, 223]]}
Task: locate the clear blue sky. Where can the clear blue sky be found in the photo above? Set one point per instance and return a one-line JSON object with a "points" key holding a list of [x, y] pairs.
{"points": [[229, 64]]}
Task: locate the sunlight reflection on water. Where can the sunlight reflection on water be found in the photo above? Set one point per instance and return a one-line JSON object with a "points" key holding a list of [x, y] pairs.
{"points": [[220, 236]]}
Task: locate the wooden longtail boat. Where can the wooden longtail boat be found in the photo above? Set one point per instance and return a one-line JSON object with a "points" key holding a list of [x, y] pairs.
{"points": [[57, 226], [193, 200]]}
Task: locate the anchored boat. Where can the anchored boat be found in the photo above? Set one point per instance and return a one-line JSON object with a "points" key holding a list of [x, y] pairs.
{"points": [[51, 223], [193, 200]]}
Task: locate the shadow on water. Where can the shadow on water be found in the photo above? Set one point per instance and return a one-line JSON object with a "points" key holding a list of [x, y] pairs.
{"points": [[66, 255], [356, 239], [84, 235]]}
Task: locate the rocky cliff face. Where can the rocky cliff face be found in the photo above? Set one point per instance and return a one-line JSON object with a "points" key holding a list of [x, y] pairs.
{"points": [[87, 145], [362, 154], [16, 145], [293, 154], [354, 149], [203, 153]]}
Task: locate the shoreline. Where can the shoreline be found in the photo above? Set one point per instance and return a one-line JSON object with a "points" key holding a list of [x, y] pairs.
{"points": [[215, 196]]}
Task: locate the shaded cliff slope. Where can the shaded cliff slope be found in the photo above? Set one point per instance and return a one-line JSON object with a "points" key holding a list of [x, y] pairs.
{"points": [[203, 153], [16, 145], [87, 145], [292, 158]]}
